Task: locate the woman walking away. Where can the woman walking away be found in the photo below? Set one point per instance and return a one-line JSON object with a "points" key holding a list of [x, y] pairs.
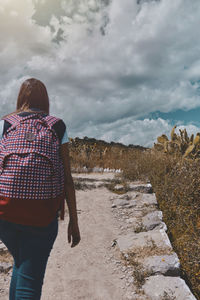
{"points": [[35, 179]]}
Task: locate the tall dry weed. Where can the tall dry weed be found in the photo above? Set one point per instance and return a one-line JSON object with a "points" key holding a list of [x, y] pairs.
{"points": [[147, 164]]}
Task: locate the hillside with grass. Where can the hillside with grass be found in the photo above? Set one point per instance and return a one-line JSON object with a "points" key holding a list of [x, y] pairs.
{"points": [[89, 153]]}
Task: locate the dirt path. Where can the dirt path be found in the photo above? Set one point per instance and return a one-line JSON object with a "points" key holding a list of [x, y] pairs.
{"points": [[87, 271], [84, 272]]}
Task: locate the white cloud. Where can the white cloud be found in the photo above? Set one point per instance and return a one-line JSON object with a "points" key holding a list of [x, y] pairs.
{"points": [[143, 60], [191, 129], [129, 131]]}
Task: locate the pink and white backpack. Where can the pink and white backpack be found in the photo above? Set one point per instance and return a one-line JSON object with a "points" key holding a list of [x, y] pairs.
{"points": [[30, 162]]}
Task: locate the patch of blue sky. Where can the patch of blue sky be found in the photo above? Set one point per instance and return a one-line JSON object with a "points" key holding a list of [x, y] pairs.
{"points": [[178, 117]]}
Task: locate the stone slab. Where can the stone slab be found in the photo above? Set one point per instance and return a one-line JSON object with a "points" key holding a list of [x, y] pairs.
{"points": [[149, 199], [141, 187], [168, 265], [126, 196], [142, 200], [158, 286], [152, 220], [120, 202], [139, 200], [133, 241], [118, 187]]}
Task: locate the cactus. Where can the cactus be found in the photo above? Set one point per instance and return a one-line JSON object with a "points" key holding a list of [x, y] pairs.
{"points": [[189, 149], [166, 144], [173, 134], [162, 139], [192, 138], [180, 144], [197, 139], [186, 136]]}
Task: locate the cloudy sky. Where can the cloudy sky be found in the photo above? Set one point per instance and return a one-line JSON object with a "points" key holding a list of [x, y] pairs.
{"points": [[116, 70]]}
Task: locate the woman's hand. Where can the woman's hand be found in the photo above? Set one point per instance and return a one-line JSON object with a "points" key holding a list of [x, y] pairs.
{"points": [[73, 233]]}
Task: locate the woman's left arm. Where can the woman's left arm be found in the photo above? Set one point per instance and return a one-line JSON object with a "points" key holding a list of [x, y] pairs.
{"points": [[73, 228]]}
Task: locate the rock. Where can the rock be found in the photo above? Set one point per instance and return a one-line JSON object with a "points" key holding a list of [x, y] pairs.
{"points": [[138, 213], [143, 200], [141, 187], [152, 219], [81, 185], [148, 199], [5, 267], [133, 195], [114, 242], [132, 220], [130, 206], [125, 197], [157, 287], [120, 202], [168, 265], [162, 225], [130, 280], [154, 238], [132, 203], [99, 183], [85, 169], [96, 170], [118, 187]]}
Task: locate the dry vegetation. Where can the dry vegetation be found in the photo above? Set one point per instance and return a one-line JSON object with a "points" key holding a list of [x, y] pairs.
{"points": [[173, 169], [176, 183], [92, 153], [175, 177]]}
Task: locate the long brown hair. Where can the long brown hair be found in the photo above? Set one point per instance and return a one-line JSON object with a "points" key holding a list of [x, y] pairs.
{"points": [[32, 94]]}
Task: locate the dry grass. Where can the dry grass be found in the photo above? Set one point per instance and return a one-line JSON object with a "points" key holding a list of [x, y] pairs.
{"points": [[90, 154], [176, 183]]}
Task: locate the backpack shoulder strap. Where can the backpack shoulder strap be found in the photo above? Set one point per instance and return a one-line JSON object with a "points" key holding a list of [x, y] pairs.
{"points": [[57, 125], [51, 120], [12, 119], [6, 126], [15, 119], [60, 129]]}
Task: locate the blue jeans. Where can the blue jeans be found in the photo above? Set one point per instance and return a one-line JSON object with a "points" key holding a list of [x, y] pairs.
{"points": [[30, 247]]}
